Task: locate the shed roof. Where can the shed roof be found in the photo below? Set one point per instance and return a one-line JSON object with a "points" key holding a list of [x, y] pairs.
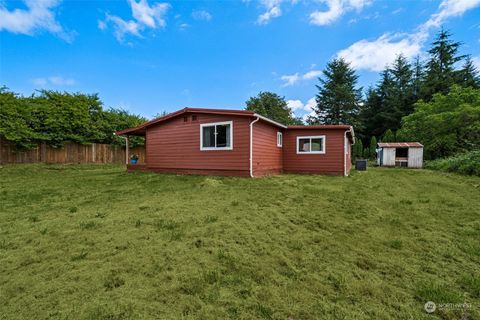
{"points": [[400, 145]]}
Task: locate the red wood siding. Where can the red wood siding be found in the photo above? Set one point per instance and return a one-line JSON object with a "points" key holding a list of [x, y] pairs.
{"points": [[174, 146], [330, 163], [267, 157]]}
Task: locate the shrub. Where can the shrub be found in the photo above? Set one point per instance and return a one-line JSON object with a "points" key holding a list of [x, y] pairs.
{"points": [[467, 163]]}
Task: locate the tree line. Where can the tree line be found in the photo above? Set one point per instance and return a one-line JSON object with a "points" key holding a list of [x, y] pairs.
{"points": [[435, 102], [58, 117]]}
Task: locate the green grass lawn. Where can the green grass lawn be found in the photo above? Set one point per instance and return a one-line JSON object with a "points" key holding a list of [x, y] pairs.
{"points": [[93, 242]]}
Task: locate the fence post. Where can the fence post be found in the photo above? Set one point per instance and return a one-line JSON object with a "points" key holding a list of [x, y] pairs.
{"points": [[93, 152]]}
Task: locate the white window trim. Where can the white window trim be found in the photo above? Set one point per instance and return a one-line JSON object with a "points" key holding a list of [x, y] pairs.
{"points": [[279, 139], [202, 148], [312, 137]]}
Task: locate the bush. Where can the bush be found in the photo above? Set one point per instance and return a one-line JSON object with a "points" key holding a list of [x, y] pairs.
{"points": [[467, 163]]}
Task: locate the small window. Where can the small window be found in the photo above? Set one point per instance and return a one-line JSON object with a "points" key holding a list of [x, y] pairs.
{"points": [[194, 118], [279, 139], [216, 136], [185, 119], [315, 144]]}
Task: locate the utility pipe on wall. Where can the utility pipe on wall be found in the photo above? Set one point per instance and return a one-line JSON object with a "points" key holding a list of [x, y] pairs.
{"points": [[251, 146]]}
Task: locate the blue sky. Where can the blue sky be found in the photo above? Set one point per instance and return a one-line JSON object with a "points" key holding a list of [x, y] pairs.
{"points": [[151, 56]]}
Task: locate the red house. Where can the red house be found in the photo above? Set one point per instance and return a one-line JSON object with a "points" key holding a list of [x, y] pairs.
{"points": [[241, 143]]}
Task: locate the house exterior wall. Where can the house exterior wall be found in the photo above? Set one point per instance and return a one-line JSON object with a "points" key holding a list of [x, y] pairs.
{"points": [[415, 157], [267, 157], [330, 163], [174, 146]]}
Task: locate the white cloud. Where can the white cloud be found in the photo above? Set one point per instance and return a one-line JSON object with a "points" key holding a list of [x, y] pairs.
{"points": [[476, 62], [272, 11], [102, 25], [184, 26], [53, 81], [450, 8], [295, 105], [292, 79], [145, 16], [312, 74], [150, 16], [311, 103], [202, 15], [375, 55], [302, 110], [39, 16], [336, 8]]}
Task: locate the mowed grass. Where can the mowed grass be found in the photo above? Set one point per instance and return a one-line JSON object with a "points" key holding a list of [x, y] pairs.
{"points": [[95, 242]]}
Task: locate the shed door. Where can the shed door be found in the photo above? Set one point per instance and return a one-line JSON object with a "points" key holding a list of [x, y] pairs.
{"points": [[415, 157], [389, 157]]}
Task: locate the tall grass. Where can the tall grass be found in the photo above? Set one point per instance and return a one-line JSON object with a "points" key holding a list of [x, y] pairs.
{"points": [[95, 242], [467, 163]]}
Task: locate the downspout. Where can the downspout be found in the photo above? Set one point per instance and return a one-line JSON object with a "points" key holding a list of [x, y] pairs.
{"points": [[345, 150], [345, 153], [251, 146]]}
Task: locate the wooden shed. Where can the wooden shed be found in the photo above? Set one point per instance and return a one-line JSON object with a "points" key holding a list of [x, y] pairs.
{"points": [[400, 154]]}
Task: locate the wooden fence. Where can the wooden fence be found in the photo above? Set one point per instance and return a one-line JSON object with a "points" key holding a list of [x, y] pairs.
{"points": [[70, 153]]}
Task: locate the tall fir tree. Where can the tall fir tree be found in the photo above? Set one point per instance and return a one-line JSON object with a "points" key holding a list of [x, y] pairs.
{"points": [[373, 147], [440, 72], [338, 97], [401, 99], [370, 115], [418, 78], [468, 76]]}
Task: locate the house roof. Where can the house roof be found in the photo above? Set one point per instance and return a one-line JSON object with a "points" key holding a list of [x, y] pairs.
{"points": [[400, 145], [141, 129], [321, 126]]}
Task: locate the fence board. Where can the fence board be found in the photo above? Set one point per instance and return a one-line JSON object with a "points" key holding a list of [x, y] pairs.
{"points": [[70, 153]]}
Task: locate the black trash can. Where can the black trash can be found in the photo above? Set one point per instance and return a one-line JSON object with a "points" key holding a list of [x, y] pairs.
{"points": [[361, 164]]}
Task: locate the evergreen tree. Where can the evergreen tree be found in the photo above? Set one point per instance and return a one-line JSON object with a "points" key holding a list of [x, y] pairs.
{"points": [[401, 99], [389, 136], [392, 99], [468, 76], [370, 115], [440, 72], [338, 99], [272, 106], [417, 78], [357, 150], [373, 147]]}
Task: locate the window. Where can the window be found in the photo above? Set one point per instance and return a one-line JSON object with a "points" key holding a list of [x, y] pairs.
{"points": [[216, 136], [194, 118], [314, 144], [185, 119], [279, 139]]}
